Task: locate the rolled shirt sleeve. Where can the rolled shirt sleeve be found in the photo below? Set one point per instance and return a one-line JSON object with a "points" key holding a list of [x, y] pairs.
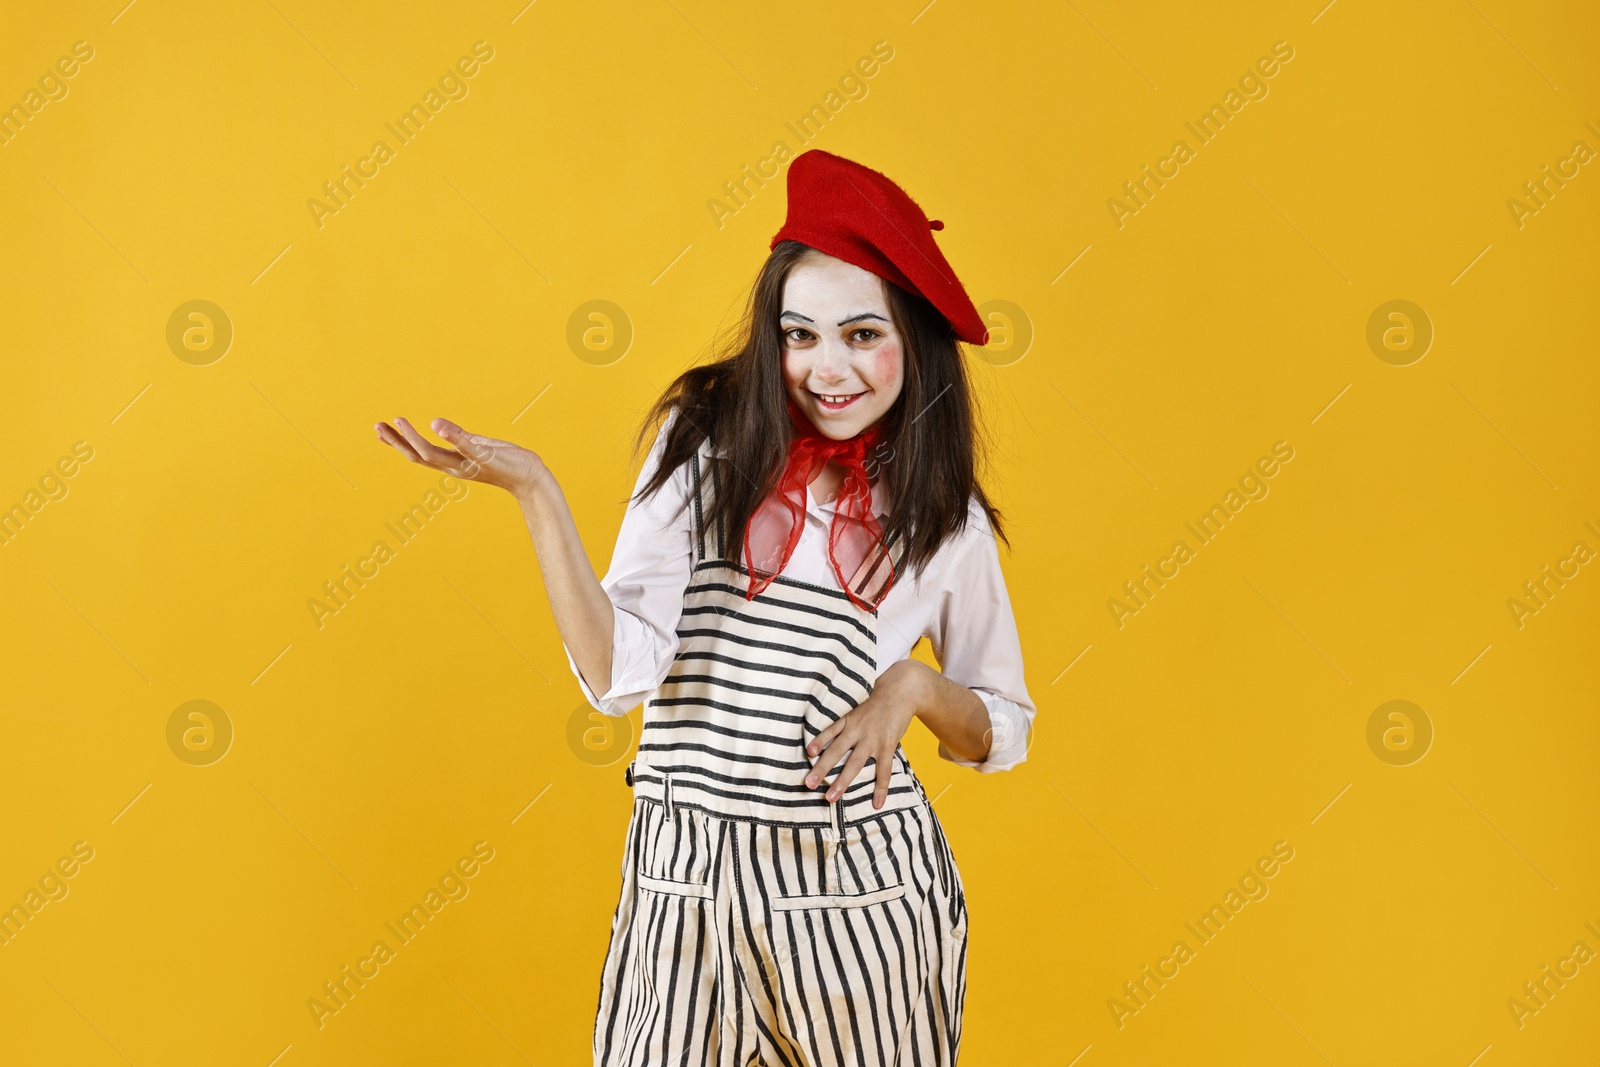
{"points": [[974, 637], [650, 568]]}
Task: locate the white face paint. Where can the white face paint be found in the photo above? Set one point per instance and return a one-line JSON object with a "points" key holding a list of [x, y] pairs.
{"points": [[843, 360]]}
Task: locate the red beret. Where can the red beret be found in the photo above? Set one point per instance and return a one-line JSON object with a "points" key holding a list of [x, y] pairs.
{"points": [[856, 214]]}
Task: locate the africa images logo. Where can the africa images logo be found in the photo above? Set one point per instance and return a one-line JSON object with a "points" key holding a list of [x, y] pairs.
{"points": [[1252, 86], [453, 85], [453, 885]]}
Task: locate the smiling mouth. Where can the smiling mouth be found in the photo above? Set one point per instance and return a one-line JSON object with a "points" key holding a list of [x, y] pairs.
{"points": [[836, 401]]}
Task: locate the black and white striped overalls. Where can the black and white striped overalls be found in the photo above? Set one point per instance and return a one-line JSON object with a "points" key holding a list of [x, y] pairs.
{"points": [[758, 922]]}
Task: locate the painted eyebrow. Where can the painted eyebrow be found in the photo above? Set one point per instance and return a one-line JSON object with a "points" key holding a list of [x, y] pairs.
{"points": [[841, 322]]}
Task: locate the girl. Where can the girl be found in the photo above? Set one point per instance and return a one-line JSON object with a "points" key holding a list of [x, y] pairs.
{"points": [[808, 511]]}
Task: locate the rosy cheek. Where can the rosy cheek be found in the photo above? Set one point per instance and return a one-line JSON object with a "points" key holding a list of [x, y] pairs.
{"points": [[886, 365], [795, 367]]}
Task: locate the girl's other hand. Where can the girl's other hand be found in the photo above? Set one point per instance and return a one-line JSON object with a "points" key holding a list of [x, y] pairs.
{"points": [[871, 730], [475, 457]]}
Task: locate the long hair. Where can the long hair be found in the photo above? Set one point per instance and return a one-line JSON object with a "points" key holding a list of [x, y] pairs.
{"points": [[926, 458]]}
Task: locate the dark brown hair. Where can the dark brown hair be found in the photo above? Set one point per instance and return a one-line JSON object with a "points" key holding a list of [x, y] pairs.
{"points": [[926, 457]]}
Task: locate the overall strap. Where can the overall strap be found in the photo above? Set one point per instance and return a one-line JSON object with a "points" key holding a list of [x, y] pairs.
{"points": [[708, 534]]}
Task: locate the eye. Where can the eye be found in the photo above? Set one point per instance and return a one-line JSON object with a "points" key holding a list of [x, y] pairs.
{"points": [[871, 334], [791, 331]]}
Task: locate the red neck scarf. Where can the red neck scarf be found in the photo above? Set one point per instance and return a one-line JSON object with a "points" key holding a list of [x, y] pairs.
{"points": [[855, 546]]}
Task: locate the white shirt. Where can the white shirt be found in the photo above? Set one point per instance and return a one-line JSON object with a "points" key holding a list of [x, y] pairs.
{"points": [[959, 603]]}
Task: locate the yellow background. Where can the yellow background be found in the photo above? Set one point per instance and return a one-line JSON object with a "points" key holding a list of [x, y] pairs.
{"points": [[1228, 314]]}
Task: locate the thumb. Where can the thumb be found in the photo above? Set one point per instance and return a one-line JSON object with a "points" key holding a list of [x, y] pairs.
{"points": [[471, 445], [447, 429], [475, 451], [459, 435]]}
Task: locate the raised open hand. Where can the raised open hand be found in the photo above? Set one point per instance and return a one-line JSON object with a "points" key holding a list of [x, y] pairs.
{"points": [[475, 457]]}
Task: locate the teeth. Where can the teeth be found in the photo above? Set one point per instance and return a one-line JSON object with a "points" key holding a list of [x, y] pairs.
{"points": [[835, 399]]}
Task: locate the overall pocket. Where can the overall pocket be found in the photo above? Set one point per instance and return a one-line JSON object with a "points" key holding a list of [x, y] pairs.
{"points": [[839, 900], [674, 849], [861, 865]]}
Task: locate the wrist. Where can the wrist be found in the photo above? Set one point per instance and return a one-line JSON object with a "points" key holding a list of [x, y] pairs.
{"points": [[538, 491], [914, 681], [544, 510]]}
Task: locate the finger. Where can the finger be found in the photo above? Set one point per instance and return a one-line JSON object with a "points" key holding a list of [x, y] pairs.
{"points": [[474, 451], [830, 758], [477, 450], [880, 794], [475, 447], [852, 767], [453, 430], [460, 436], [390, 436], [427, 451], [826, 734]]}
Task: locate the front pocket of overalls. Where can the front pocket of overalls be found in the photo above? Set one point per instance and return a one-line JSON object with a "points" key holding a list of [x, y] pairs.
{"points": [[839, 900], [674, 852], [861, 869], [676, 889]]}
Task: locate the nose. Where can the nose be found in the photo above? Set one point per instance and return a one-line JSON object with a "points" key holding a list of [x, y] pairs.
{"points": [[833, 363]]}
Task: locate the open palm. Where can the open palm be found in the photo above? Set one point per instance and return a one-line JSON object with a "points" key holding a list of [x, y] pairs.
{"points": [[475, 457]]}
